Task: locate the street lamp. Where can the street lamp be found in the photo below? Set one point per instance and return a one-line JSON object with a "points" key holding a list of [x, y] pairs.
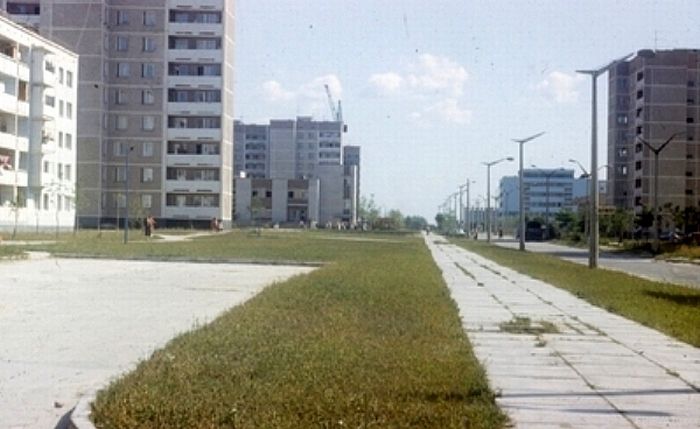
{"points": [[521, 197], [126, 194], [468, 222], [593, 242], [488, 193], [656, 152]]}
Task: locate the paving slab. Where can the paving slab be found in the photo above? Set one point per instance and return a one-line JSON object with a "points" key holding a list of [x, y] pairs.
{"points": [[68, 326], [597, 369]]}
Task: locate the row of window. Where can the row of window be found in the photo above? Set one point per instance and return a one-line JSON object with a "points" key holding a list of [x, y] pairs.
{"points": [[119, 174], [120, 148], [65, 110], [62, 172], [194, 95], [185, 17], [187, 69], [148, 122], [65, 77], [119, 201], [192, 200], [148, 44], [192, 174], [63, 202], [148, 70]]}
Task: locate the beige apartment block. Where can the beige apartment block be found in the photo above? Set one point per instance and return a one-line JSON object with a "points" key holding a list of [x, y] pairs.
{"points": [[38, 110], [653, 96], [155, 86]]}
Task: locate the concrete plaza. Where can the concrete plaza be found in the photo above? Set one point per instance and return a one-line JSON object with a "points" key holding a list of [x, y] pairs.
{"points": [[69, 326], [598, 370]]}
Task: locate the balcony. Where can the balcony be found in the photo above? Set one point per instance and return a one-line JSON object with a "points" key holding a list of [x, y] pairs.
{"points": [[191, 212], [195, 81], [193, 186], [194, 134], [195, 55], [203, 109], [197, 4], [7, 178], [9, 65], [192, 160], [8, 141], [10, 104], [195, 28]]}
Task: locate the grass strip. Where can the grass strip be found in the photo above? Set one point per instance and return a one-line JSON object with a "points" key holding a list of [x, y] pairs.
{"points": [[370, 340], [672, 309]]}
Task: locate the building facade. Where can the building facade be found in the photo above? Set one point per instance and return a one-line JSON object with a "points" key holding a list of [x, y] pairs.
{"points": [[38, 128], [547, 192], [654, 96], [155, 87], [291, 151]]}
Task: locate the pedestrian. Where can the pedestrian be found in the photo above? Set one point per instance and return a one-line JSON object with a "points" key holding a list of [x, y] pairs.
{"points": [[150, 225], [213, 225]]}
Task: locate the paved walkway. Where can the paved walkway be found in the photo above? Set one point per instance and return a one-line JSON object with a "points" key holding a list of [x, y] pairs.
{"points": [[67, 326], [641, 266], [599, 371]]}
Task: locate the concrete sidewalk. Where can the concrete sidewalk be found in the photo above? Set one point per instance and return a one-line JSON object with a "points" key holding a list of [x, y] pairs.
{"points": [[599, 370]]}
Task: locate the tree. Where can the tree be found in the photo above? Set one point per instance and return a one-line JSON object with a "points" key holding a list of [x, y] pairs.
{"points": [[621, 223], [368, 210], [415, 222], [396, 219]]}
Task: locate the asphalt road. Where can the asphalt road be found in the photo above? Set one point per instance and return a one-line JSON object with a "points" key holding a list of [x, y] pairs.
{"points": [[646, 267]]}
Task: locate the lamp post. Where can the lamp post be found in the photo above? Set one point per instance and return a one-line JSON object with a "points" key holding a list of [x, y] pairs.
{"points": [[587, 176], [126, 194], [488, 193], [469, 215], [593, 242], [521, 196], [656, 152]]}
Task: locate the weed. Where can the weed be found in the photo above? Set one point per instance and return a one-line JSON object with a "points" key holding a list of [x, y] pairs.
{"points": [[523, 325]]}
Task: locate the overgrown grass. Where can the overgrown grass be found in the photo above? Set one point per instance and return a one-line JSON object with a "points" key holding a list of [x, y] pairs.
{"points": [[685, 252], [672, 309], [10, 252], [371, 339]]}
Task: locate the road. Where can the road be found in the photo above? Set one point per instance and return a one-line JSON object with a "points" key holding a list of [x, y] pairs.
{"points": [[646, 267]]}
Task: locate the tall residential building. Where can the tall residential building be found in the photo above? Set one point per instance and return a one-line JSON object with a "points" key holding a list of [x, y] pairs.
{"points": [[652, 96], [303, 154], [156, 87], [38, 110]]}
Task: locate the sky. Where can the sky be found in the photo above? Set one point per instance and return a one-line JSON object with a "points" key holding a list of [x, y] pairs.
{"points": [[432, 89]]}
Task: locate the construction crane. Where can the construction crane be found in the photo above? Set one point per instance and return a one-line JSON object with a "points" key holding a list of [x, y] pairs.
{"points": [[336, 113]]}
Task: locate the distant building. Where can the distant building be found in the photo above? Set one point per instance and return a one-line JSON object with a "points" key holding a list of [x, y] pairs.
{"points": [[652, 96], [300, 154], [547, 192], [156, 85], [38, 111]]}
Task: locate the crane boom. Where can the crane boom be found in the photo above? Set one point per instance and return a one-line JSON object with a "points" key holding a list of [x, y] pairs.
{"points": [[331, 104]]}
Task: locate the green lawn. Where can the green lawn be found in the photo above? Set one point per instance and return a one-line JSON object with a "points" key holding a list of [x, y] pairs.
{"points": [[672, 309], [370, 339]]}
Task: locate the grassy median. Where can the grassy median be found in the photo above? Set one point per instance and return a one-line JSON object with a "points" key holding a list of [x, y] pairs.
{"points": [[672, 309], [371, 339]]}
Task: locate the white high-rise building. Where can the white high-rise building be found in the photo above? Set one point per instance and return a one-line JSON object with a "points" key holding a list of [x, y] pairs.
{"points": [[38, 111], [155, 87]]}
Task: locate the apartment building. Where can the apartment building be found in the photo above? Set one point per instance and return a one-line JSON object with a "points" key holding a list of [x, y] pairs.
{"points": [[652, 97], [38, 111], [155, 88], [289, 151], [547, 191]]}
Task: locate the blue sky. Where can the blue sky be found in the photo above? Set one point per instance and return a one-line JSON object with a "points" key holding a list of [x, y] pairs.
{"points": [[431, 89]]}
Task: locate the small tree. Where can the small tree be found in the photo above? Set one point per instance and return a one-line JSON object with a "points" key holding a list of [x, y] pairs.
{"points": [[621, 223], [368, 210]]}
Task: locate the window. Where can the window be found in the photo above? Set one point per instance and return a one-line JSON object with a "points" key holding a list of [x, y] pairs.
{"points": [[50, 100], [148, 70], [120, 201], [637, 183], [120, 148], [123, 70], [68, 172], [69, 110], [46, 201], [59, 170], [149, 18], [638, 165], [120, 174], [122, 43], [67, 203], [147, 97], [60, 75], [146, 201], [60, 108], [148, 123], [69, 79], [47, 167], [146, 174], [120, 96], [149, 44], [60, 139], [122, 17], [122, 122], [69, 141], [147, 149]]}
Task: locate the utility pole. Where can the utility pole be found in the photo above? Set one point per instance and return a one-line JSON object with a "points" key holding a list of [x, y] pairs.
{"points": [[488, 193], [521, 191]]}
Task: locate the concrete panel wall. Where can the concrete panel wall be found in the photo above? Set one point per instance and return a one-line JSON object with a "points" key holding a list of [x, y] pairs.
{"points": [[279, 200]]}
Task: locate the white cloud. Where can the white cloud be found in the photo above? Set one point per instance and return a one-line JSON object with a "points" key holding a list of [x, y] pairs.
{"points": [[560, 87], [310, 97], [387, 83], [431, 74], [447, 111], [275, 92]]}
